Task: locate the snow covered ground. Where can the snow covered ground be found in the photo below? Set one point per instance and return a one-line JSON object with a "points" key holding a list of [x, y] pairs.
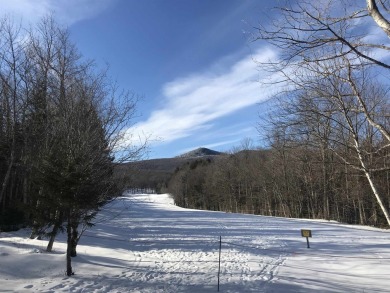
{"points": [[143, 243]]}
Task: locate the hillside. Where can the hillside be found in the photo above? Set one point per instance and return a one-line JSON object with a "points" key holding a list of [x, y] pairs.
{"points": [[156, 172], [143, 243], [200, 152]]}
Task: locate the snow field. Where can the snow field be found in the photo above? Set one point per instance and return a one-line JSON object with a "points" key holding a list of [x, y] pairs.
{"points": [[143, 243]]}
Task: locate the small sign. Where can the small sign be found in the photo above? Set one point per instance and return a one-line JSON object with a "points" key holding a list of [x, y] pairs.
{"points": [[306, 233]]}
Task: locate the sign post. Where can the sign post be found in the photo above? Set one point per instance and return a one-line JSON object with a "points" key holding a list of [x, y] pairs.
{"points": [[307, 234], [219, 262]]}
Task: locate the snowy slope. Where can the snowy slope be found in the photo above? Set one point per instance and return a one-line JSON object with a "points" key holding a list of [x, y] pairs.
{"points": [[143, 243]]}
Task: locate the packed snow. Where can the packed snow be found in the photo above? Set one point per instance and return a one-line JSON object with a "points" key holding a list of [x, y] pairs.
{"points": [[144, 243]]}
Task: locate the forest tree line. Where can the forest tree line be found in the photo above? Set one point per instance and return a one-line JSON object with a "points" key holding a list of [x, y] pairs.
{"points": [[327, 138], [285, 181], [60, 127]]}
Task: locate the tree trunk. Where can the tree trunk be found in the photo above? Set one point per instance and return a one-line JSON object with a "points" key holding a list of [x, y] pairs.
{"points": [[53, 234], [25, 190], [7, 177], [370, 180], [376, 194], [374, 12], [69, 271], [74, 240], [35, 231]]}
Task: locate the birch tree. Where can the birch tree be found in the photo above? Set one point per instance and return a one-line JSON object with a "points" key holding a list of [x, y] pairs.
{"points": [[331, 41]]}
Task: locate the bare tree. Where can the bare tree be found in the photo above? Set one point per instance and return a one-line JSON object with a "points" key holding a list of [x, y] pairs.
{"points": [[377, 15], [302, 28], [325, 56], [342, 103], [62, 127], [12, 100]]}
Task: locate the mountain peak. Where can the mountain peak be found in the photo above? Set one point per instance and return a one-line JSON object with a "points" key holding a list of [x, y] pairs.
{"points": [[200, 152]]}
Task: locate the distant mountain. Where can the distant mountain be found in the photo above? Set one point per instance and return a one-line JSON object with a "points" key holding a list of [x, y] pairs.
{"points": [[200, 152], [155, 173]]}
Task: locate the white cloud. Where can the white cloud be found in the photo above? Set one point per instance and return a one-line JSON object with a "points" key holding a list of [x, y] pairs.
{"points": [[193, 103], [225, 137], [66, 12]]}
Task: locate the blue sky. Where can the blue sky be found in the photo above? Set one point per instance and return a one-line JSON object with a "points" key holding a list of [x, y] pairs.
{"points": [[190, 60]]}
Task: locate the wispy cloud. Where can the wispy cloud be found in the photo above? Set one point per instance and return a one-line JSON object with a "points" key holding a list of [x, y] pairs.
{"points": [[229, 133], [66, 12], [224, 138], [194, 102]]}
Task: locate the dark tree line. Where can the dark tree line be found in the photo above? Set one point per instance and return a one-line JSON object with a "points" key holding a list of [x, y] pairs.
{"points": [[287, 180], [61, 123]]}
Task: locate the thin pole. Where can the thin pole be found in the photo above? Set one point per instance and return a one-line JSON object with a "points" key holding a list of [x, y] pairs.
{"points": [[307, 240], [219, 262]]}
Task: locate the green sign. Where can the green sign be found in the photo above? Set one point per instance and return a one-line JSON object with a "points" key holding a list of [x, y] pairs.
{"points": [[306, 233]]}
